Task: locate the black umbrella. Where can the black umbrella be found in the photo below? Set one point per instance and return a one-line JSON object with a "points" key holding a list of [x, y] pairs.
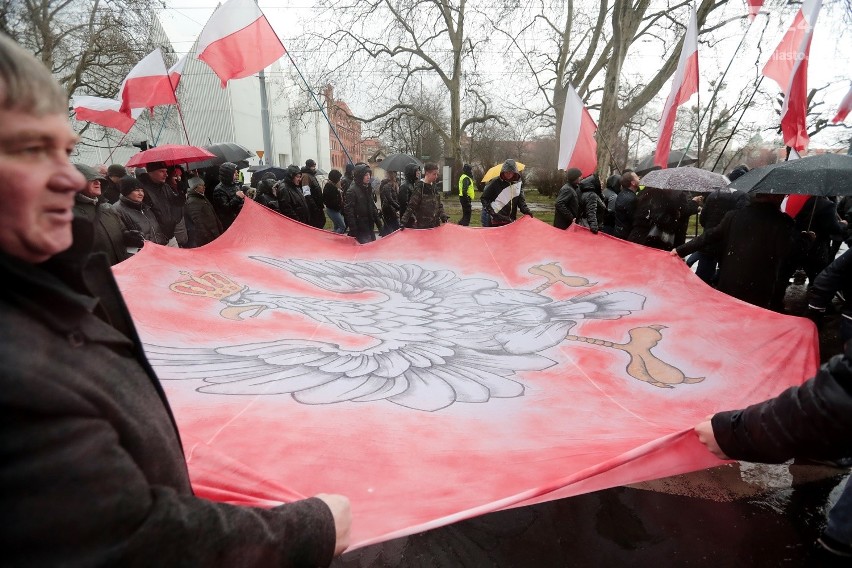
{"points": [[397, 162], [225, 152], [676, 158], [824, 174], [260, 171]]}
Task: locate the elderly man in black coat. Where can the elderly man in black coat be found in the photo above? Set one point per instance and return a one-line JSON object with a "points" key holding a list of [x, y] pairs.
{"points": [[93, 472]]}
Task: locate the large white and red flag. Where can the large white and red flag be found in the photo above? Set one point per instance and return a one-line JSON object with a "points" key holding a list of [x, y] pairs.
{"points": [[684, 85], [788, 66], [238, 41], [845, 107], [147, 85], [176, 72], [577, 145], [430, 385], [106, 112], [754, 7]]}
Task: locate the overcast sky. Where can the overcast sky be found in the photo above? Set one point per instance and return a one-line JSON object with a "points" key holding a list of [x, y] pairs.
{"points": [[829, 63]]}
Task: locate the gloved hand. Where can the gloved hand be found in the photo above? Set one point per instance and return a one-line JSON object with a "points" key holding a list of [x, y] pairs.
{"points": [[530, 214], [133, 238], [594, 231]]}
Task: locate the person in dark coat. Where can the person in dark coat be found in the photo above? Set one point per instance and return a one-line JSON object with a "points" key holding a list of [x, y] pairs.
{"points": [[109, 188], [202, 223], [228, 196], [819, 215], [291, 199], [347, 177], [811, 421], [592, 208], [137, 214], [359, 209], [835, 278], [92, 465], [657, 218], [389, 193], [313, 194], [166, 204], [716, 205], [111, 236], [332, 197], [425, 208], [567, 202], [412, 175], [266, 193], [755, 241], [509, 176], [625, 205], [608, 196]]}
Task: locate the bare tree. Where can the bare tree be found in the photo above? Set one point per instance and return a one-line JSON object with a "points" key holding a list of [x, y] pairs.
{"points": [[88, 45]]}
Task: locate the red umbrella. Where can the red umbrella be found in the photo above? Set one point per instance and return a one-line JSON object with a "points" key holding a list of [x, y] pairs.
{"points": [[171, 154]]}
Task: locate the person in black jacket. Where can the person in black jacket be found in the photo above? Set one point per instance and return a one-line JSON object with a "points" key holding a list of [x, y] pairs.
{"points": [[202, 223], [412, 174], [592, 208], [166, 204], [811, 421], [332, 197], [313, 194], [567, 202], [111, 236], [625, 205], [609, 195], [819, 215], [389, 192], [92, 464], [514, 200], [756, 243], [359, 209], [291, 199], [228, 196], [266, 192], [835, 278]]}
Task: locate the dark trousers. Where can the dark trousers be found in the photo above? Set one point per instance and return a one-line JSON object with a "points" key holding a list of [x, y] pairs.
{"points": [[466, 210]]}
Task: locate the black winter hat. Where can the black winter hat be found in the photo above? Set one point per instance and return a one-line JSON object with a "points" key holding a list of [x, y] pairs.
{"points": [[737, 172], [310, 163], [116, 170], [154, 166], [290, 173], [573, 174], [128, 184], [467, 169], [228, 168], [334, 176], [350, 167]]}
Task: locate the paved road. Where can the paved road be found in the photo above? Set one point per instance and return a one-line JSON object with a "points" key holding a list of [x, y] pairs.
{"points": [[734, 515]]}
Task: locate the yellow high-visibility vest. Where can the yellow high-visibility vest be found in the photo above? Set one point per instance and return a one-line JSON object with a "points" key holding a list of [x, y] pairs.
{"points": [[470, 188]]}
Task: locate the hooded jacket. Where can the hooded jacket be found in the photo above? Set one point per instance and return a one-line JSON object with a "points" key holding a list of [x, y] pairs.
{"points": [[202, 223], [166, 205], [359, 209], [224, 198], [407, 186], [291, 200], [495, 187], [314, 200]]}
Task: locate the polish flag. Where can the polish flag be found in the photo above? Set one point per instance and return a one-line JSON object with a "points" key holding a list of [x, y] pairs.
{"points": [[577, 145], [175, 72], [845, 107], [238, 41], [147, 85], [754, 7], [106, 112], [685, 85], [788, 67]]}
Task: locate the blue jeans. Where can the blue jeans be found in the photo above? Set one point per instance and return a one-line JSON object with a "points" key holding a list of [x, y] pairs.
{"points": [[337, 219], [485, 218], [840, 517], [706, 269]]}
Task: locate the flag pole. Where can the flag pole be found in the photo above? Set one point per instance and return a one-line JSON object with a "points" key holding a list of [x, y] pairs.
{"points": [[734, 129], [180, 112], [330, 125], [715, 92]]}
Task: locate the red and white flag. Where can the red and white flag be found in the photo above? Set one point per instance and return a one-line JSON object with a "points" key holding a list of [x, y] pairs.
{"points": [[106, 112], [684, 85], [147, 85], [430, 385], [238, 41], [788, 67], [754, 7], [577, 145], [176, 71], [845, 107]]}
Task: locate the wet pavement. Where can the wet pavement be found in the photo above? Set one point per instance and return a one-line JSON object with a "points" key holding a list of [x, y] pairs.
{"points": [[740, 514], [732, 515]]}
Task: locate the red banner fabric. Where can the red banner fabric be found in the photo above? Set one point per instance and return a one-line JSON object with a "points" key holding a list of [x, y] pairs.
{"points": [[440, 374]]}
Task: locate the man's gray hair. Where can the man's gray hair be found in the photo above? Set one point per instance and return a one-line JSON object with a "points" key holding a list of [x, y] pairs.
{"points": [[26, 85]]}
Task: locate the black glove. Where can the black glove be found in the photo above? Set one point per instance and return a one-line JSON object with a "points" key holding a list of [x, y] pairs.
{"points": [[816, 316], [594, 231], [133, 238]]}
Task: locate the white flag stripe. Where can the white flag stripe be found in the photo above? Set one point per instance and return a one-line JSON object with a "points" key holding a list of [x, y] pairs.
{"points": [[229, 18]]}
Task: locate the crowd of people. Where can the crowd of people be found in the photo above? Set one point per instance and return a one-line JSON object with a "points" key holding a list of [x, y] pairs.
{"points": [[91, 459]]}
